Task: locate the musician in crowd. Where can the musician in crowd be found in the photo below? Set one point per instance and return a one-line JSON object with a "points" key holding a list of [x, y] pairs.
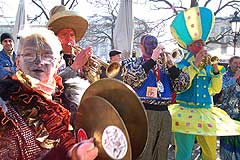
{"points": [[34, 123], [114, 56], [153, 81], [70, 27], [194, 115], [7, 56], [230, 102], [233, 72]]}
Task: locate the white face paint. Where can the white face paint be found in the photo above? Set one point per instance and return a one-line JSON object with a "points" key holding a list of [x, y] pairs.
{"points": [[38, 59]]}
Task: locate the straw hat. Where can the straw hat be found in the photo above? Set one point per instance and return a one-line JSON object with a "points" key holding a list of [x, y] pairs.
{"points": [[61, 18]]}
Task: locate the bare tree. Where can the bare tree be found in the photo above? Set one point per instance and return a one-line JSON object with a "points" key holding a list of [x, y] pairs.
{"points": [[175, 7], [101, 25], [71, 4]]}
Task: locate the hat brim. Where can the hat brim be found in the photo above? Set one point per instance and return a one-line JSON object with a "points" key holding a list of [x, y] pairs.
{"points": [[68, 19]]}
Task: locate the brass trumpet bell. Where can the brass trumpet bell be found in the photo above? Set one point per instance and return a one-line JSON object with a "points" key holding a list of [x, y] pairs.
{"points": [[126, 103], [92, 69], [208, 60], [113, 69], [177, 55]]}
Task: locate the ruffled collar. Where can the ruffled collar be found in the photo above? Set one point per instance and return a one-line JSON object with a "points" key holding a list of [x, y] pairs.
{"points": [[50, 120], [44, 89]]}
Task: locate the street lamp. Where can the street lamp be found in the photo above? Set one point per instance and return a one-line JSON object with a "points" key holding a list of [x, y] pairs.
{"points": [[235, 23]]}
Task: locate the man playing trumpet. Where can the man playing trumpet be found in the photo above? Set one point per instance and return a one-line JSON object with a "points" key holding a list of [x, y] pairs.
{"points": [[153, 82], [194, 115], [70, 27]]}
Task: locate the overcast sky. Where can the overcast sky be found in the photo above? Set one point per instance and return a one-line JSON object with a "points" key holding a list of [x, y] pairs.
{"points": [[140, 8]]}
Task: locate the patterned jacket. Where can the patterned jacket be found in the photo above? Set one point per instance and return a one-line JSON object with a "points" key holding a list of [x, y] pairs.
{"points": [[140, 75]]}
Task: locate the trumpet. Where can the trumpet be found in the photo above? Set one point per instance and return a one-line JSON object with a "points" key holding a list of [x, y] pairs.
{"points": [[176, 56], [93, 68], [208, 60]]}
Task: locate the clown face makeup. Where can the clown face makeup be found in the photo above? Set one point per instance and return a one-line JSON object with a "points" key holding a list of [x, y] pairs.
{"points": [[196, 46], [39, 54], [38, 60]]}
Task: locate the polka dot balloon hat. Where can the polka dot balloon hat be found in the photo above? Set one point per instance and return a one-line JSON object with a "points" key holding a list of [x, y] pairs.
{"points": [[192, 24]]}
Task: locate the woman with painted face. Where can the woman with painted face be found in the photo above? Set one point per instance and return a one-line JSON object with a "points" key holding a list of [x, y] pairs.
{"points": [[34, 123], [193, 115], [154, 82]]}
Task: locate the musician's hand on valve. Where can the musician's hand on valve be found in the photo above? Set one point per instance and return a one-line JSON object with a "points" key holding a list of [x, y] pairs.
{"points": [[81, 58], [200, 57], [156, 53]]}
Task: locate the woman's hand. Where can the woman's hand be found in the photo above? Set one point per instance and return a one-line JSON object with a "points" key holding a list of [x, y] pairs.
{"points": [[84, 150]]}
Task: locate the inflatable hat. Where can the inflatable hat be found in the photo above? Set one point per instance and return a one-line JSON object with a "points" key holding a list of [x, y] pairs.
{"points": [[192, 24], [61, 18]]}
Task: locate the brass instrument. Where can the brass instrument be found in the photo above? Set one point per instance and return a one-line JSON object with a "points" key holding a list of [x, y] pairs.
{"points": [[176, 56], [92, 69], [208, 60]]}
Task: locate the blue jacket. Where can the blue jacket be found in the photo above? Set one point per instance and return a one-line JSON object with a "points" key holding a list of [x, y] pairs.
{"points": [[204, 84], [6, 62]]}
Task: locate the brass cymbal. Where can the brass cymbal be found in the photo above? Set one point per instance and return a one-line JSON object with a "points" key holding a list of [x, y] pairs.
{"points": [[130, 108], [100, 120]]}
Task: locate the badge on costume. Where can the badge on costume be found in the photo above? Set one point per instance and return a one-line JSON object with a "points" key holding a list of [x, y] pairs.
{"points": [[152, 92], [160, 86]]}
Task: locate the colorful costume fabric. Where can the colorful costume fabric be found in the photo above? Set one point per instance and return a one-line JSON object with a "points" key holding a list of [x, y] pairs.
{"points": [[32, 126], [194, 112], [191, 25], [194, 115], [155, 97]]}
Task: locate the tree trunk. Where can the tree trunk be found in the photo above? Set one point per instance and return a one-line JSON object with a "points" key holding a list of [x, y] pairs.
{"points": [[194, 3]]}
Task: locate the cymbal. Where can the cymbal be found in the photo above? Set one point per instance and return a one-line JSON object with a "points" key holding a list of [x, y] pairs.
{"points": [[100, 120], [124, 99]]}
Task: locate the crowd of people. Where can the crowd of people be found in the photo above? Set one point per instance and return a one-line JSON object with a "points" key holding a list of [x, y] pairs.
{"points": [[43, 80]]}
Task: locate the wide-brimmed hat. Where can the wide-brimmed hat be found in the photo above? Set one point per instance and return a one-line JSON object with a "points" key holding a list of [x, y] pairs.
{"points": [[61, 18]]}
